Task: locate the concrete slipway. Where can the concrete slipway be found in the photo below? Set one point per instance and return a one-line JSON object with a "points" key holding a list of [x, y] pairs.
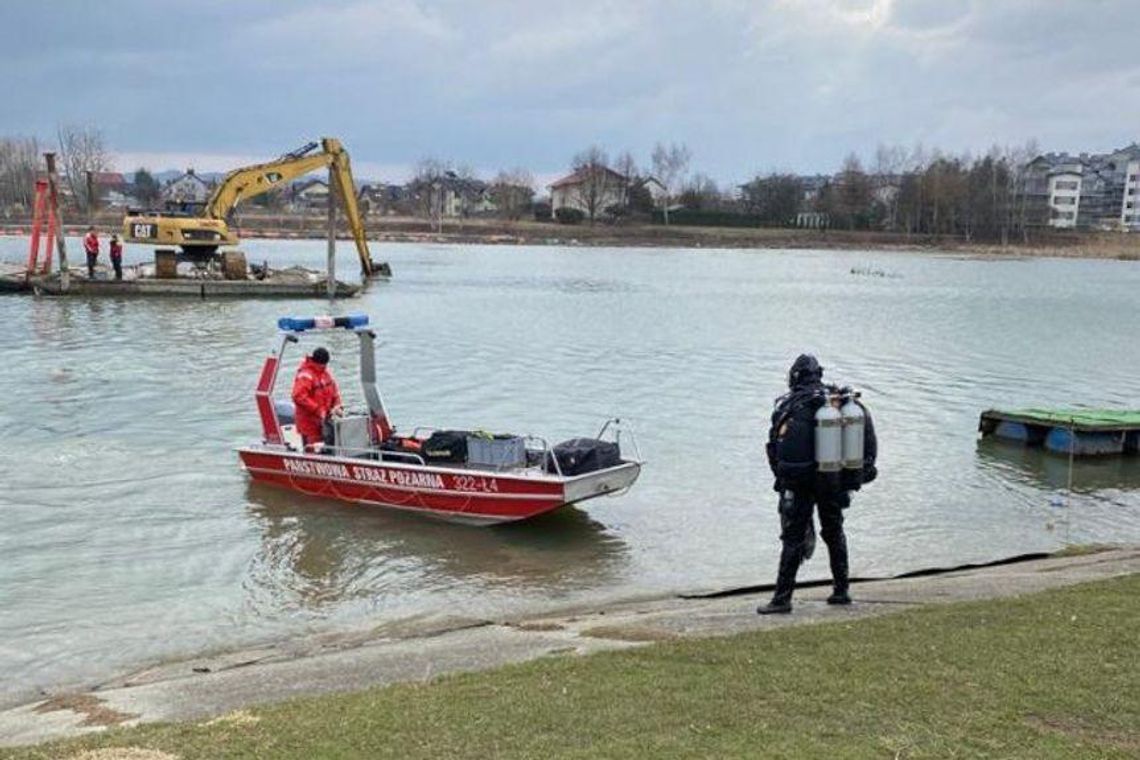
{"points": [[418, 651]]}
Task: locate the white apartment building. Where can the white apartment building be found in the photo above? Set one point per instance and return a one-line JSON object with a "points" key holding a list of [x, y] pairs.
{"points": [[1064, 196], [1130, 204]]}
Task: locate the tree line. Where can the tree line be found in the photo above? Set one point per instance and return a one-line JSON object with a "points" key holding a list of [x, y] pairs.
{"points": [[915, 191], [81, 153]]}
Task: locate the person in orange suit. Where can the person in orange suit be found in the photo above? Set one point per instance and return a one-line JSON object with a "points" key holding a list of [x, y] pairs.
{"points": [[316, 397]]}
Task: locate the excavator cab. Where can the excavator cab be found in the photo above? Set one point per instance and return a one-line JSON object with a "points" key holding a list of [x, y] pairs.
{"points": [[178, 226]]}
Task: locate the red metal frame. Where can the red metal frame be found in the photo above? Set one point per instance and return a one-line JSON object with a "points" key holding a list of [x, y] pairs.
{"points": [[37, 227], [270, 425]]}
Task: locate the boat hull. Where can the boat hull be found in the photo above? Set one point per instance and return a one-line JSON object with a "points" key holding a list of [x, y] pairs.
{"points": [[477, 497]]}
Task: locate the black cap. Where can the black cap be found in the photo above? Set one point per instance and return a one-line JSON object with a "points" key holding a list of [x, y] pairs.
{"points": [[320, 356], [805, 369]]}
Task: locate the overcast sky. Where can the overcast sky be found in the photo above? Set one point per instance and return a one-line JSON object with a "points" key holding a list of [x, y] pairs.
{"points": [[750, 86]]}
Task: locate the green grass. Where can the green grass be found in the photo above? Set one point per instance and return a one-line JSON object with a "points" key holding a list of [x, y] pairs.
{"points": [[1051, 675]]}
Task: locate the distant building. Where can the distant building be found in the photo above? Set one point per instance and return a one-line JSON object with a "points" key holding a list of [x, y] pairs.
{"points": [[451, 195], [657, 191], [813, 185], [189, 188], [465, 196], [309, 194], [112, 189], [581, 189], [380, 198], [1130, 201], [1097, 191]]}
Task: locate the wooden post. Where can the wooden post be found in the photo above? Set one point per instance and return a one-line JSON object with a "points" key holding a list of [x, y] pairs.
{"points": [[331, 267], [92, 199], [53, 204]]}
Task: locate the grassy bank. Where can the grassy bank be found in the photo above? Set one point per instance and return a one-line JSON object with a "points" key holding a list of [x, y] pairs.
{"points": [[1048, 675]]}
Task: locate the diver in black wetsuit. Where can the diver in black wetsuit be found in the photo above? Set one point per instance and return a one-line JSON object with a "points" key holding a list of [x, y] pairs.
{"points": [[791, 455]]}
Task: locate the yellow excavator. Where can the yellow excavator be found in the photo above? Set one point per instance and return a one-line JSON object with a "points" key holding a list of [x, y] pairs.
{"points": [[200, 229]]}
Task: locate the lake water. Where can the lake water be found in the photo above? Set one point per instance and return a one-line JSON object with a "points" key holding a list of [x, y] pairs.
{"points": [[128, 533]]}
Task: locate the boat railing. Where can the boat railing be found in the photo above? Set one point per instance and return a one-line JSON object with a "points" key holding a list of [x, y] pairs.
{"points": [[356, 452], [615, 427], [620, 426], [547, 453], [396, 456]]}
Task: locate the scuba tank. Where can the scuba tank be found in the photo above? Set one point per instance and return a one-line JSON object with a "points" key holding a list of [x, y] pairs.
{"points": [[829, 442], [853, 422]]}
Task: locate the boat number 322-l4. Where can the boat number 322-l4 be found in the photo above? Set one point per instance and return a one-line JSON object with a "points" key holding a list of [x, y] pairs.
{"points": [[472, 483]]}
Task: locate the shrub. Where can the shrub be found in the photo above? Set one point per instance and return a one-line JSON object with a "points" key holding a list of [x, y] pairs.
{"points": [[567, 215], [700, 218], [542, 211]]}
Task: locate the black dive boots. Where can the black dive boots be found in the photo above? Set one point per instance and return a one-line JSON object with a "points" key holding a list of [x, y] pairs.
{"points": [[837, 554], [790, 559]]}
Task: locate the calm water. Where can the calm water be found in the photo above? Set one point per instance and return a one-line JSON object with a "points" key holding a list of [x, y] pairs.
{"points": [[129, 535]]}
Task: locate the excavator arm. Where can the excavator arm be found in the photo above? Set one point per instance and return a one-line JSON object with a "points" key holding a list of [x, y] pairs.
{"points": [[207, 230], [252, 181]]}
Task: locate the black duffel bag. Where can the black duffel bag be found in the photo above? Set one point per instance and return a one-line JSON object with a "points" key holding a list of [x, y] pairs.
{"points": [[446, 446], [581, 455]]}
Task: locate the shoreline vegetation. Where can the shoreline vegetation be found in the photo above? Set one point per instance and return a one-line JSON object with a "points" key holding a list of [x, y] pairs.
{"points": [[1050, 674], [1045, 243]]}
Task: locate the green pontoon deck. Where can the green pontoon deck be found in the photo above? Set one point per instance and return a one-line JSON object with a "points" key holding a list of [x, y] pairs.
{"points": [[1079, 432]]}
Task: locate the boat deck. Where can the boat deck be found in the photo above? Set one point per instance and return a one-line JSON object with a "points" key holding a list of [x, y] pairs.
{"points": [[14, 280]]}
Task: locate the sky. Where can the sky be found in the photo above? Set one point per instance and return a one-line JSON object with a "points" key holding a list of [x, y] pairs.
{"points": [[750, 86]]}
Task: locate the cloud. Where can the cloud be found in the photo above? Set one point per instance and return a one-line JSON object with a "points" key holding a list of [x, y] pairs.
{"points": [[345, 36], [748, 84], [928, 15], [571, 33]]}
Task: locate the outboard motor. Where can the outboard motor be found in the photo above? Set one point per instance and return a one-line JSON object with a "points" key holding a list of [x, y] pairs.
{"points": [[829, 443]]}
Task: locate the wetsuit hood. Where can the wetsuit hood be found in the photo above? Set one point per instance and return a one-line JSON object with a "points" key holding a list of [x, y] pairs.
{"points": [[805, 370]]}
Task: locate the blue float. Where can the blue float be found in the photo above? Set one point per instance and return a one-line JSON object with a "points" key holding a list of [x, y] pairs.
{"points": [[302, 324]]}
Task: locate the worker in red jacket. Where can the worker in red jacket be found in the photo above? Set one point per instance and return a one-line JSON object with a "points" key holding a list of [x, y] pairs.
{"points": [[91, 248], [316, 396], [116, 248]]}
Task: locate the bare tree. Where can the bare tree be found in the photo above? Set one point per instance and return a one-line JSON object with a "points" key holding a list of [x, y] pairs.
{"points": [[774, 198], [19, 163], [147, 188], [670, 164], [853, 192], [886, 179], [82, 152], [512, 192], [1018, 159], [701, 193], [595, 183], [626, 166], [426, 187]]}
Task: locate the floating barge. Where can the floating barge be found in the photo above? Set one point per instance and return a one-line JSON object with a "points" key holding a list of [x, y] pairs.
{"points": [[1076, 432], [140, 282]]}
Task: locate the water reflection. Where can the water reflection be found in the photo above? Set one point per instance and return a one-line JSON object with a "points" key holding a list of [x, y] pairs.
{"points": [[1039, 468], [315, 552]]}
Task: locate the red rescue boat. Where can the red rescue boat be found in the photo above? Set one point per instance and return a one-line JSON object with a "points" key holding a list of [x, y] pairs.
{"points": [[477, 479]]}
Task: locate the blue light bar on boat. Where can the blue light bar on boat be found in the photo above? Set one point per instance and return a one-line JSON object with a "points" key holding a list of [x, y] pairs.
{"points": [[301, 324]]}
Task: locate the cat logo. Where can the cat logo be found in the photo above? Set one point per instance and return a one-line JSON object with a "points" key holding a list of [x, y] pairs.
{"points": [[144, 231]]}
